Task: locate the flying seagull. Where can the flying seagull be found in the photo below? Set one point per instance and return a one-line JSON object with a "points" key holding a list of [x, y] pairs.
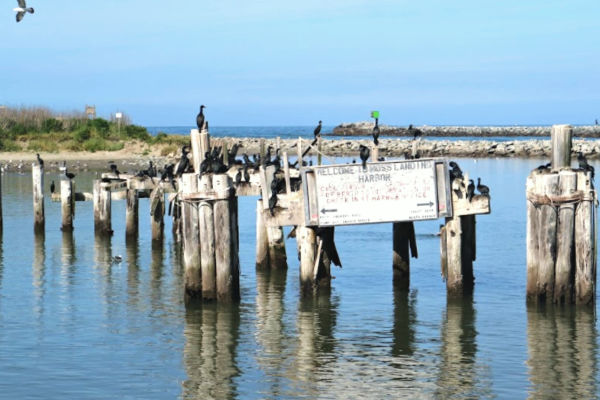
{"points": [[22, 10]]}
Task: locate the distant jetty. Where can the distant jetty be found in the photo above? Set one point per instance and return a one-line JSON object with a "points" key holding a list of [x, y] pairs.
{"points": [[364, 128]]}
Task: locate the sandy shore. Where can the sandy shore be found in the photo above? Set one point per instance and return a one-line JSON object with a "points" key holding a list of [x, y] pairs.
{"points": [[131, 159]]}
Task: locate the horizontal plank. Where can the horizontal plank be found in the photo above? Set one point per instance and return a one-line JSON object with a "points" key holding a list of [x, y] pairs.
{"points": [[479, 204]]}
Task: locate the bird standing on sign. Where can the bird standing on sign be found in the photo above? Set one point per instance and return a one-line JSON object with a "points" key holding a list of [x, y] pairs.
{"points": [[484, 190], [364, 155], [200, 118], [22, 10]]}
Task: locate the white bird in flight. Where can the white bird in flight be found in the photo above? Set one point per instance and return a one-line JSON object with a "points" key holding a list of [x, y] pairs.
{"points": [[22, 9]]}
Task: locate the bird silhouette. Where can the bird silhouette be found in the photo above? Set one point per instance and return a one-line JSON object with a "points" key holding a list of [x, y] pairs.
{"points": [[376, 132], [317, 131], [39, 160], [200, 118], [455, 171], [184, 162], [415, 132], [22, 10], [364, 155], [583, 164], [52, 187], [114, 170], [484, 190], [470, 190]]}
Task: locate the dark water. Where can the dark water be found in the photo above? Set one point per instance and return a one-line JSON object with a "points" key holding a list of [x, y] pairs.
{"points": [[75, 325]]}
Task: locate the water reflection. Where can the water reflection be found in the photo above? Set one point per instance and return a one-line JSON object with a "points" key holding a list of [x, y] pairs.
{"points": [[459, 375], [156, 272], [562, 352], [68, 257], [39, 271], [210, 351], [405, 317], [317, 316], [133, 269], [271, 330]]}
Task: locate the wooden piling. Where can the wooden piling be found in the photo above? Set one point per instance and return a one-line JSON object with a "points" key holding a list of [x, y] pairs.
{"points": [[561, 232], [262, 240], [403, 240], [585, 242], [547, 222], [191, 239], [37, 175], [157, 212], [67, 204], [132, 214], [307, 239], [226, 257], [1, 221], [561, 137], [458, 246], [207, 243], [102, 208], [563, 288], [197, 155]]}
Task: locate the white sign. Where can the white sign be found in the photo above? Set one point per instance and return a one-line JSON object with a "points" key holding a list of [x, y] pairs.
{"points": [[384, 192], [118, 115]]}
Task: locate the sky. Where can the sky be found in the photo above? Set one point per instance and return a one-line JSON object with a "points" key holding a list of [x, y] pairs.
{"points": [[279, 62]]}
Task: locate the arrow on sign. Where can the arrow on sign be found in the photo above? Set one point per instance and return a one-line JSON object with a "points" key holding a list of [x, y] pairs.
{"points": [[324, 210], [425, 204]]}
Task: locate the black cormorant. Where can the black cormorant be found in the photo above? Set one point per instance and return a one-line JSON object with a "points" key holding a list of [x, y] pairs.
{"points": [[184, 162], [246, 174], [484, 190], [415, 132], [238, 176], [114, 170], [317, 130], [200, 118], [455, 171], [376, 132], [52, 187], [39, 160], [583, 164], [364, 155], [470, 190]]}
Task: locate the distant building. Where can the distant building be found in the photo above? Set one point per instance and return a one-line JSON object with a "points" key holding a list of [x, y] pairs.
{"points": [[90, 111]]}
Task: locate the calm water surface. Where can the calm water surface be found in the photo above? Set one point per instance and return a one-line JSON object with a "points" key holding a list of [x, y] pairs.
{"points": [[75, 325]]}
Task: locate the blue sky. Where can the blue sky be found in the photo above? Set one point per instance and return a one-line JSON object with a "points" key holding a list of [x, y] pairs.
{"points": [[268, 62]]}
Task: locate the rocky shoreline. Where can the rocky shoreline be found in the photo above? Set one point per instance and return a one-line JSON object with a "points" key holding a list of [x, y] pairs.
{"points": [[394, 147], [365, 128]]}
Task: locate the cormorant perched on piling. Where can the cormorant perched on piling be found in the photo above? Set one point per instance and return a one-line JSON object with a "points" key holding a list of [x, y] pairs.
{"points": [[52, 187], [168, 174], [114, 170], [364, 155], [470, 190], [317, 130], [200, 118], [184, 162], [544, 167], [22, 10], [484, 190], [455, 171], [39, 160], [415, 132], [238, 176], [583, 164], [376, 132]]}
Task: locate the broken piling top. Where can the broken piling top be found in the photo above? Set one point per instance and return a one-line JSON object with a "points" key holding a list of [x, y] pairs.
{"points": [[561, 137], [200, 145]]}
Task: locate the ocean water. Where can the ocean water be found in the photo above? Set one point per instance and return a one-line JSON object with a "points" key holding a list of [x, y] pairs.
{"points": [[73, 324], [293, 132]]}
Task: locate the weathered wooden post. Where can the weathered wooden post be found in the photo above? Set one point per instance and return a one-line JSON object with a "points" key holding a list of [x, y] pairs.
{"points": [[458, 245], [102, 208], [307, 239], [561, 233], [132, 214], [37, 175], [157, 212], [207, 242], [403, 240], [197, 155], [191, 238], [226, 239], [262, 239], [1, 222], [67, 203]]}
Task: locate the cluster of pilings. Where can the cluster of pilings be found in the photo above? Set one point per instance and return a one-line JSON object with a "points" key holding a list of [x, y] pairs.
{"points": [[561, 228]]}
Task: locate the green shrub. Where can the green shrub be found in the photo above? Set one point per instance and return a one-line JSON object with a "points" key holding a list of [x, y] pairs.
{"points": [[82, 134], [137, 132], [100, 125], [47, 146], [72, 145], [51, 125], [8, 145], [18, 129], [98, 144]]}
